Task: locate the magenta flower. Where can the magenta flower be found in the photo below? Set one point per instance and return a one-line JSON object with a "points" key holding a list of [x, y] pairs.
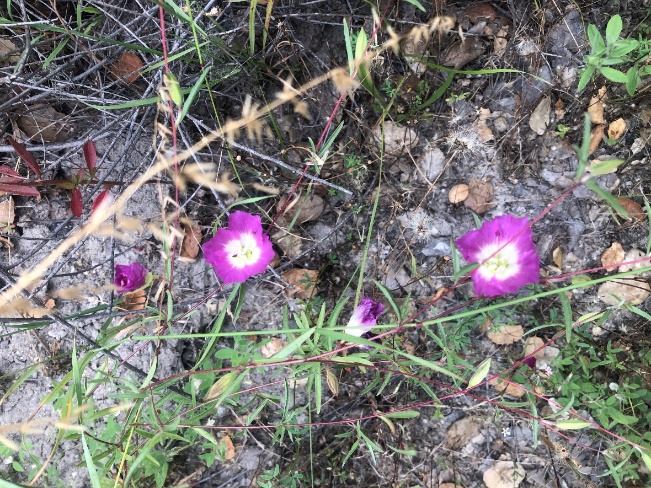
{"points": [[129, 277], [240, 251], [506, 253], [364, 317]]}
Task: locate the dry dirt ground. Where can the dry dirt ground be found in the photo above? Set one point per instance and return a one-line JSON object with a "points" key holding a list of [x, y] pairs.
{"points": [[479, 133]]}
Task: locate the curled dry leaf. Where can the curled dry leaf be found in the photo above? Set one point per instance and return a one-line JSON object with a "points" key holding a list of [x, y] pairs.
{"points": [[133, 301], [557, 256], [303, 208], [7, 214], [463, 431], [9, 53], [45, 125], [511, 389], [596, 137], [480, 195], [596, 107], [226, 445], [540, 116], [532, 344], [634, 209], [397, 139], [612, 256], [635, 255], [616, 129], [458, 193], [272, 347], [290, 244], [191, 240], [505, 474], [127, 67], [505, 334], [302, 281]]}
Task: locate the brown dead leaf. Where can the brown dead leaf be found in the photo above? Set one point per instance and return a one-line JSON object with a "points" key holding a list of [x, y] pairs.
{"points": [[8, 52], [191, 240], [628, 290], [127, 67], [511, 389], [500, 42], [505, 334], [303, 282], [532, 344], [634, 209], [272, 347], [463, 53], [304, 208], [45, 124], [616, 129], [480, 195], [613, 255], [50, 303], [226, 444], [291, 244], [557, 256], [559, 109], [596, 136], [133, 301], [539, 118], [458, 193], [596, 107]]}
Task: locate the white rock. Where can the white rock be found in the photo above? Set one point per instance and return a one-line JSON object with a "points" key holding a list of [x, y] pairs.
{"points": [[397, 139], [431, 163]]}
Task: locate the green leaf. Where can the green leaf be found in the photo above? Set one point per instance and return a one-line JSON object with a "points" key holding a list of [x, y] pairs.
{"points": [[611, 200], [464, 270], [480, 374], [605, 167], [193, 93], [416, 4], [580, 279], [586, 77], [613, 29], [632, 79], [623, 47], [408, 452], [174, 89], [596, 41], [613, 74], [572, 424], [405, 414], [646, 458]]}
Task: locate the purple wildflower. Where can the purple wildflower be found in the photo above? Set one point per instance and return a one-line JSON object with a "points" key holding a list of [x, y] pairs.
{"points": [[129, 277], [239, 251], [364, 317], [507, 255]]}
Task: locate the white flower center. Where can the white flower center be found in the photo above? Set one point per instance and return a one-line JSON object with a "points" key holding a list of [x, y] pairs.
{"points": [[502, 265], [243, 252]]}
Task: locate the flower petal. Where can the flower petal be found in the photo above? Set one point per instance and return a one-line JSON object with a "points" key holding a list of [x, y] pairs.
{"points": [[514, 237], [129, 277], [245, 222], [216, 250], [364, 317]]}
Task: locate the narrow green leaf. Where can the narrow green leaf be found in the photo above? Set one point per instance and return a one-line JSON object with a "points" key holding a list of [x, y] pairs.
{"points": [[193, 94], [480, 374], [611, 200], [405, 414], [632, 79], [290, 348], [572, 424], [407, 452], [349, 47], [90, 465], [387, 295], [464, 270], [567, 315], [416, 4], [605, 167]]}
